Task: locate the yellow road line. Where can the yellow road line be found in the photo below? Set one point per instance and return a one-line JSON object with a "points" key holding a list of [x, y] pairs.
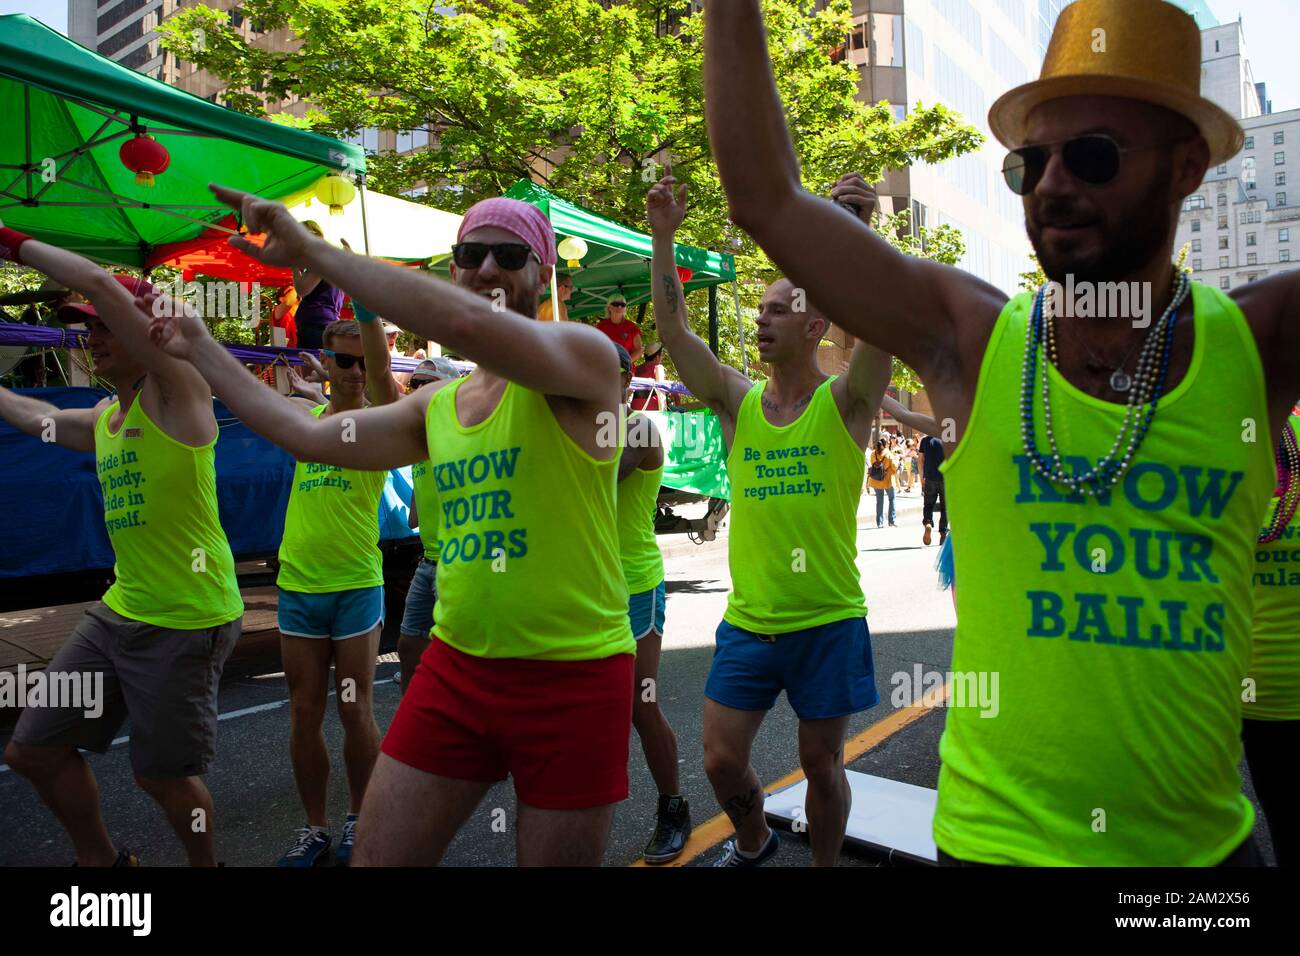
{"points": [[715, 830]]}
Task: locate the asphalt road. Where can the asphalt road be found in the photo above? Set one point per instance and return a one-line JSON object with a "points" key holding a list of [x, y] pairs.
{"points": [[911, 622]]}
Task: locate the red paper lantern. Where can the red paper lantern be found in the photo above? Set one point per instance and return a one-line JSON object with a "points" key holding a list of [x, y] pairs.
{"points": [[684, 274], [144, 156]]}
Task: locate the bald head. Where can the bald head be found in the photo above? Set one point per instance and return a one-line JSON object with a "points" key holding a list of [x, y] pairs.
{"points": [[790, 327]]}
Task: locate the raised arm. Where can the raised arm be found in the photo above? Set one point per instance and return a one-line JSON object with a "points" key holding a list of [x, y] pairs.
{"points": [[115, 307], [859, 392], [70, 427], [556, 358], [914, 303], [381, 387], [371, 438], [718, 386]]}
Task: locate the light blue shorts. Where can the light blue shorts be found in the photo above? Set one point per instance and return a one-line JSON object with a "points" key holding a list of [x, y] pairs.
{"points": [[334, 614], [646, 611]]}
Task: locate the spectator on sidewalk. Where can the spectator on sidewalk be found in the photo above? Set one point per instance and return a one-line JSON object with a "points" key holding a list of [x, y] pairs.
{"points": [[880, 479], [932, 453]]}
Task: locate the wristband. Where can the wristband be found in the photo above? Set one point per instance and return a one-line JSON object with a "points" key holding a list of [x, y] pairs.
{"points": [[11, 240], [362, 313]]}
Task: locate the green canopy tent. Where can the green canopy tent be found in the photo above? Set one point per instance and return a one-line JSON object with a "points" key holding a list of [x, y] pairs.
{"points": [[67, 112]]}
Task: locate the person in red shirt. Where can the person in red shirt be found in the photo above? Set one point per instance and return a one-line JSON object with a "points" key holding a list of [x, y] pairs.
{"points": [[620, 328], [649, 399], [285, 314]]}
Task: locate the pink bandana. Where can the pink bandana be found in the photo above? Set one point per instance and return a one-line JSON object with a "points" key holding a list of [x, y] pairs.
{"points": [[523, 219]]}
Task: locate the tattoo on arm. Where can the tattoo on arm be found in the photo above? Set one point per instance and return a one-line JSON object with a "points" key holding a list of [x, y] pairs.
{"points": [[741, 806], [670, 290]]}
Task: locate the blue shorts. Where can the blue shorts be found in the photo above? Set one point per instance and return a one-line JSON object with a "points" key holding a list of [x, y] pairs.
{"points": [[825, 671], [334, 614], [646, 611], [421, 596]]}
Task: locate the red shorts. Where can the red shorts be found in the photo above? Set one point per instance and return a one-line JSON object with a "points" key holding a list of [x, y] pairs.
{"points": [[560, 728]]}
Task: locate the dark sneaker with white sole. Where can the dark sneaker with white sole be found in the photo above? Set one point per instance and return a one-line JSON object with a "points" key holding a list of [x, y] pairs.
{"points": [[672, 830], [309, 849], [343, 855], [731, 856]]}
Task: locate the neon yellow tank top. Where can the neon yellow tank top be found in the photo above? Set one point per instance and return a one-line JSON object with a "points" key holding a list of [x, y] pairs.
{"points": [[331, 528], [426, 507], [794, 506], [638, 496], [1275, 664], [528, 531], [173, 563], [1114, 738]]}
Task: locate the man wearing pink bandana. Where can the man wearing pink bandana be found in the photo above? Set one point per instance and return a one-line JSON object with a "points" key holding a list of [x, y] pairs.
{"points": [[529, 673]]}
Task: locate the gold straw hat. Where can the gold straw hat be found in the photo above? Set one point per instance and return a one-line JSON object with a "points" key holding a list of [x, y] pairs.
{"points": [[1144, 50]]}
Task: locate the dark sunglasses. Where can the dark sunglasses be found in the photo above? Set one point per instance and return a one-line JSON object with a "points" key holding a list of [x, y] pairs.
{"points": [[344, 360], [1093, 159], [420, 383], [510, 256], [618, 305]]}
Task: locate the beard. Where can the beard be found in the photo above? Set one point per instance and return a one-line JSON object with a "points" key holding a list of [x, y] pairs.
{"points": [[525, 303], [1127, 244], [517, 300]]}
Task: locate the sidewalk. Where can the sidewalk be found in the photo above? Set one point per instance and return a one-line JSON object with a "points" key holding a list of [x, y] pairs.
{"points": [[907, 507]]}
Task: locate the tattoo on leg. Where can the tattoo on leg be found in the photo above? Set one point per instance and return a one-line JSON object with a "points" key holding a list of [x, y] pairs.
{"points": [[741, 806]]}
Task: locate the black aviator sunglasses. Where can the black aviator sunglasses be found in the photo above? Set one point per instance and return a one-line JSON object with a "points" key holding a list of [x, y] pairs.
{"points": [[1093, 159]]}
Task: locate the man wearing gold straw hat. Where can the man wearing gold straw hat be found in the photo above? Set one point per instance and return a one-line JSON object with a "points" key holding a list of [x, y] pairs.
{"points": [[1107, 570]]}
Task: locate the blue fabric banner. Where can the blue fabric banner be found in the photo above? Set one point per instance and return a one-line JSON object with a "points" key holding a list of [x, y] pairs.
{"points": [[54, 515]]}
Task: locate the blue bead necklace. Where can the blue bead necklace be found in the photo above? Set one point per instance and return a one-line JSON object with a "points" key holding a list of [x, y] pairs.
{"points": [[1148, 385]]}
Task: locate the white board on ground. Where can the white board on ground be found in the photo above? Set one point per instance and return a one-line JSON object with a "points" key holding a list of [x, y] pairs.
{"points": [[886, 814]]}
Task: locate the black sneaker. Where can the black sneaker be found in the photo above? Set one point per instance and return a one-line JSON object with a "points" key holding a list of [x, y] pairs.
{"points": [[730, 857], [672, 830], [124, 858]]}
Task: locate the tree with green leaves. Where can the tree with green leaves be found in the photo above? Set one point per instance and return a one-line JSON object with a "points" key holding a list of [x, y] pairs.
{"points": [[1035, 278], [592, 100]]}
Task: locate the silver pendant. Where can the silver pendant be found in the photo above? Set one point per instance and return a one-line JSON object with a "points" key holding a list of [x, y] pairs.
{"points": [[1120, 381]]}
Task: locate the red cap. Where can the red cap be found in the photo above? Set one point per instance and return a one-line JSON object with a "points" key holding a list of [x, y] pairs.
{"points": [[130, 283]]}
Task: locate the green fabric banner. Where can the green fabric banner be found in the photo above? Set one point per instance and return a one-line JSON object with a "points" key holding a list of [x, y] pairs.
{"points": [[695, 456]]}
